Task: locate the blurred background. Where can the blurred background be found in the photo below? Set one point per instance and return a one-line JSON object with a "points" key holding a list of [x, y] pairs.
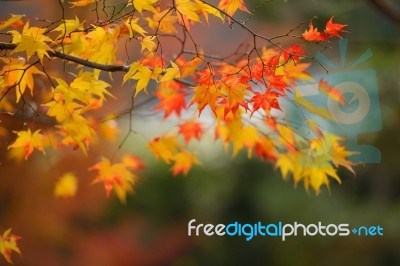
{"points": [[151, 228]]}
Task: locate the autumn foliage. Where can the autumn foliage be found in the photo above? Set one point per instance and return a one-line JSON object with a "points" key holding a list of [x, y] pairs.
{"points": [[239, 95]]}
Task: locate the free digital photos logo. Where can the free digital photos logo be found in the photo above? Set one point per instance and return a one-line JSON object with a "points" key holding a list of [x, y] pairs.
{"points": [[281, 230], [358, 115]]}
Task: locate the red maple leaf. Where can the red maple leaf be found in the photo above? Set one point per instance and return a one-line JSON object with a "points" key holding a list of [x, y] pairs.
{"points": [[191, 129], [294, 52], [333, 29]]}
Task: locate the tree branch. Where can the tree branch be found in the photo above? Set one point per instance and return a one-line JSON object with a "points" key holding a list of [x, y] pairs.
{"points": [[85, 62]]}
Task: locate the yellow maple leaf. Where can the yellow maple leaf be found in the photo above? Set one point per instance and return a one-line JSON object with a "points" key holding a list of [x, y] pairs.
{"points": [[68, 26], [31, 41], [133, 26], [206, 9], [163, 21], [239, 135], [66, 186], [8, 243], [183, 162], [141, 74], [82, 2], [77, 45], [101, 46], [61, 109], [164, 147], [309, 106], [109, 129], [15, 19], [29, 142], [148, 43], [317, 176], [141, 5], [235, 92], [17, 73], [171, 73], [188, 11]]}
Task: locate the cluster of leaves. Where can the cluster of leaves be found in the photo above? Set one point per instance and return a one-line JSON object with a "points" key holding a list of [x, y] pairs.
{"points": [[243, 92]]}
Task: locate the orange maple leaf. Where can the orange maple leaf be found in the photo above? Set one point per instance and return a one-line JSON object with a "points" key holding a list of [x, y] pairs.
{"points": [[332, 92], [333, 29], [313, 35], [231, 6], [118, 176], [171, 97], [191, 129]]}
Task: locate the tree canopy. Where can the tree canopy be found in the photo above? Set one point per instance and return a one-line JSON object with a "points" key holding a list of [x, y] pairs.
{"points": [[56, 83]]}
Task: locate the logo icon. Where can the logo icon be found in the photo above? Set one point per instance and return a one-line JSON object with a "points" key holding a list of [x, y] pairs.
{"points": [[360, 113]]}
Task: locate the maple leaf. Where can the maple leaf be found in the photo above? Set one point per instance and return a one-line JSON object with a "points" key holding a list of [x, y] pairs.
{"points": [[205, 95], [171, 100], [109, 129], [101, 45], [16, 72], [117, 176], [68, 26], [163, 21], [15, 20], [188, 68], [332, 92], [313, 35], [8, 243], [286, 164], [66, 186], [333, 29], [77, 45], [188, 11], [293, 72], [31, 41], [266, 101], [309, 106], [293, 52], [183, 162], [231, 6], [60, 109], [239, 135], [82, 2], [191, 129], [206, 9], [148, 43], [133, 26], [234, 93], [171, 73], [277, 82], [29, 142], [141, 73], [164, 147], [77, 132], [133, 162], [141, 5], [265, 149]]}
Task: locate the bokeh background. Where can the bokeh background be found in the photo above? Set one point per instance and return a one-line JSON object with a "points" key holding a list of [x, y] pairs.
{"points": [[151, 228]]}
